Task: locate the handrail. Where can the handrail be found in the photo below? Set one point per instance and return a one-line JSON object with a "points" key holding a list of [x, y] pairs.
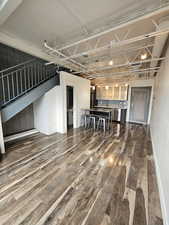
{"points": [[23, 78], [20, 64], [20, 69]]}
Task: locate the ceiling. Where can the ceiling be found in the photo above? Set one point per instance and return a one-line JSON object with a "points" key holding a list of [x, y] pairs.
{"points": [[62, 22]]}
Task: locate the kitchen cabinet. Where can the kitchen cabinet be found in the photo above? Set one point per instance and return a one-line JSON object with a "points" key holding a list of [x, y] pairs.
{"points": [[103, 93], [116, 95], [109, 93], [112, 93], [123, 93], [98, 93]]}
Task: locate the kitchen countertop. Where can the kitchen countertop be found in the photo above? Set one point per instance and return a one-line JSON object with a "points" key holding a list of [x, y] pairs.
{"points": [[109, 107]]}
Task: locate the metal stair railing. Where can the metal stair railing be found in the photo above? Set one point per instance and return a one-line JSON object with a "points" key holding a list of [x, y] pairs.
{"points": [[20, 79]]}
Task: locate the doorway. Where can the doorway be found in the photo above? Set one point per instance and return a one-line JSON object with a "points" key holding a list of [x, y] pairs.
{"points": [[69, 93], [139, 104]]}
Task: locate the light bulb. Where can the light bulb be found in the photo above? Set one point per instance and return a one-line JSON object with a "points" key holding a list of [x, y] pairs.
{"points": [[144, 56], [111, 160]]}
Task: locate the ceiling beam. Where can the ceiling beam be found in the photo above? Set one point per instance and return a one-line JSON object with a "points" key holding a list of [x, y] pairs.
{"points": [[119, 43], [122, 65], [122, 75], [61, 54], [124, 50], [122, 25], [125, 72]]}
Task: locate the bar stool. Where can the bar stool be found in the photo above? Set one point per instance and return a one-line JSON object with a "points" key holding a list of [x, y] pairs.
{"points": [[102, 122], [92, 121], [86, 120]]}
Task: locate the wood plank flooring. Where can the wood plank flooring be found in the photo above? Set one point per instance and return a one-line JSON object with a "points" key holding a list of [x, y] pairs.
{"points": [[81, 178]]}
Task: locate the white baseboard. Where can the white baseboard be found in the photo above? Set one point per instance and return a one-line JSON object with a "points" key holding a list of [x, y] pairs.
{"points": [[20, 135], [160, 186]]}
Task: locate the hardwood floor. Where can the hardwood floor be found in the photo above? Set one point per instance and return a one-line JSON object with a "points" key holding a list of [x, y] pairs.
{"points": [[82, 178]]}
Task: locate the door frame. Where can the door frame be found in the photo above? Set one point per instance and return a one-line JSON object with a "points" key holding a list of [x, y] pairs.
{"points": [[140, 83], [67, 103], [75, 106], [149, 105]]}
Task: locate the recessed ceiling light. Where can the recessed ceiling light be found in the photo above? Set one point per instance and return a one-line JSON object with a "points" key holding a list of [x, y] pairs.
{"points": [[126, 85], [144, 56], [111, 62], [116, 85], [107, 87]]}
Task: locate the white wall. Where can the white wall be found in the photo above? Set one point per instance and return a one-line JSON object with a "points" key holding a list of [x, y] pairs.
{"points": [[50, 111], [160, 134], [45, 113], [81, 96], [140, 83]]}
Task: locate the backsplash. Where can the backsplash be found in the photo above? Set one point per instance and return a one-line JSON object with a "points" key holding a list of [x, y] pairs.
{"points": [[117, 103]]}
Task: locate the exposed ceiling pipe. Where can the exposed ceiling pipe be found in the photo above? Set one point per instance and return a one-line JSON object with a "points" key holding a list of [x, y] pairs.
{"points": [[125, 72], [61, 54], [122, 25], [49, 63], [120, 43], [127, 50], [122, 65], [120, 51], [114, 52], [122, 75]]}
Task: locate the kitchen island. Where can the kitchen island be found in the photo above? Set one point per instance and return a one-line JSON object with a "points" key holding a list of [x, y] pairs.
{"points": [[118, 113]]}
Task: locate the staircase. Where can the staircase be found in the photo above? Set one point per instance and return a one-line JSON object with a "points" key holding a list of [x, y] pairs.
{"points": [[23, 84]]}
